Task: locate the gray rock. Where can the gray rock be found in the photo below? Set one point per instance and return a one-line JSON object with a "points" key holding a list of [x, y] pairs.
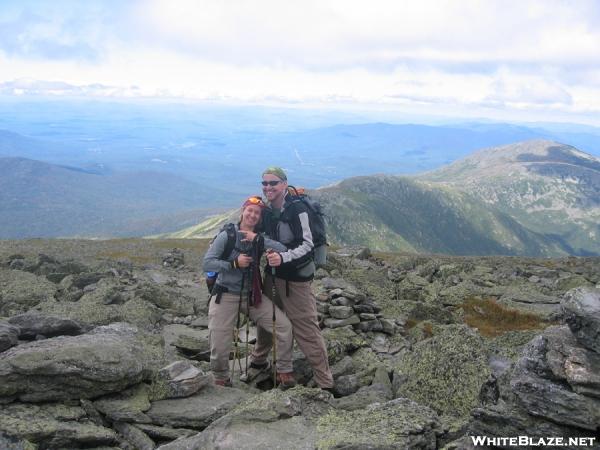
{"points": [[21, 291], [388, 326], [32, 324], [370, 325], [231, 435], [336, 323], [178, 379], [271, 420], [346, 385], [341, 312], [540, 390], [343, 367], [365, 396], [134, 436], [9, 335], [14, 443], [126, 406], [165, 433], [106, 360], [581, 309], [197, 411], [397, 424], [53, 426], [341, 301]]}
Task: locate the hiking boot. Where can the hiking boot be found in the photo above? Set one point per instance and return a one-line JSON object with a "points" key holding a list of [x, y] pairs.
{"points": [[254, 370], [286, 380], [224, 383]]}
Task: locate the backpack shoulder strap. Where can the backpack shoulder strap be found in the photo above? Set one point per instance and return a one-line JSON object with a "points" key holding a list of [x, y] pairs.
{"points": [[231, 239]]}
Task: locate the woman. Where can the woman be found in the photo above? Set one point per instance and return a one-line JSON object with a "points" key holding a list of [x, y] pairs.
{"points": [[238, 289]]}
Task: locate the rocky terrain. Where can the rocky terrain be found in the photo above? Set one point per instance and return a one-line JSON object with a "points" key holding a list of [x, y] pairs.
{"points": [[103, 345]]}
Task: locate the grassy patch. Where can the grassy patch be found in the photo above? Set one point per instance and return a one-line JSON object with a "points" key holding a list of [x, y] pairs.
{"points": [[119, 255], [493, 319]]}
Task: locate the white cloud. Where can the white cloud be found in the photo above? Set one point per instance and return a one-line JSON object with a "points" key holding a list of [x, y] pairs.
{"points": [[442, 54]]}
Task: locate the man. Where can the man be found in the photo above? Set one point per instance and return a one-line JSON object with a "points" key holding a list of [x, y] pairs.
{"points": [[288, 222]]}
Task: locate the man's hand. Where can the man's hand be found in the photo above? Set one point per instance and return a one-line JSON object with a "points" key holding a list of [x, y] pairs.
{"points": [[274, 258], [244, 261]]}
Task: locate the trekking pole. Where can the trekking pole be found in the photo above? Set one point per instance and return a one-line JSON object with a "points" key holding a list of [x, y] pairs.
{"points": [[274, 335], [236, 331]]}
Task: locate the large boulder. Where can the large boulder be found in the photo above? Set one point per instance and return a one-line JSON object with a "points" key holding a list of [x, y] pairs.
{"points": [[108, 359], [547, 378], [552, 390], [197, 411], [399, 423], [581, 309], [446, 371], [34, 324], [20, 291], [53, 426], [274, 419]]}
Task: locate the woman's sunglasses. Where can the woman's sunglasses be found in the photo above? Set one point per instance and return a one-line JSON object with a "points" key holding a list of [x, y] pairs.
{"points": [[271, 183], [256, 201]]}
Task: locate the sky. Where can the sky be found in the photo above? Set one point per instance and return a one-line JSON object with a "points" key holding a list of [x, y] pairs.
{"points": [[512, 59]]}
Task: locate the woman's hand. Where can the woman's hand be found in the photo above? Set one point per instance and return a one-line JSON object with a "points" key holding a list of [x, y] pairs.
{"points": [[248, 235], [243, 261]]}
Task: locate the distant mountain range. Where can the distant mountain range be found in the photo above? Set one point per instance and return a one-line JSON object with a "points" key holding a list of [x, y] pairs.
{"points": [[41, 199], [535, 198]]}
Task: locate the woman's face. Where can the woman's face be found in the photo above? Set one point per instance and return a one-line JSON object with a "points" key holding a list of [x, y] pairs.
{"points": [[251, 215]]}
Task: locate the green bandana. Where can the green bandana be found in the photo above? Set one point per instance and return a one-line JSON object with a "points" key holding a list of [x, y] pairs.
{"points": [[277, 171]]}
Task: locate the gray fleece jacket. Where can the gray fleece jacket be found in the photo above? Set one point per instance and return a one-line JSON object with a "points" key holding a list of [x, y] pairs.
{"points": [[230, 277]]}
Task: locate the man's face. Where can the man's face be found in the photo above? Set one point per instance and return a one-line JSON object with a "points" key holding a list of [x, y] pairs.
{"points": [[275, 188]]}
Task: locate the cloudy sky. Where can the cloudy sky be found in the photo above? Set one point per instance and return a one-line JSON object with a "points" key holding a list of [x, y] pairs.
{"points": [[521, 59]]}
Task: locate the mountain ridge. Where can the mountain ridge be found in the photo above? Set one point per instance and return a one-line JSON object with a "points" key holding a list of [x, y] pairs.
{"points": [[445, 211]]}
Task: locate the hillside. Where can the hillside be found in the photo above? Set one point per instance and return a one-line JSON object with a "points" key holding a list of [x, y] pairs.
{"points": [[536, 198], [41, 199], [550, 188]]}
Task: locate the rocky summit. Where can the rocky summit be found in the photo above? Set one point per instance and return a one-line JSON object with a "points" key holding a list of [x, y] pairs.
{"points": [[103, 345]]}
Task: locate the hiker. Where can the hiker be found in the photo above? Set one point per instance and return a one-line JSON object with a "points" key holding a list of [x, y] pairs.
{"points": [[237, 290], [288, 223]]}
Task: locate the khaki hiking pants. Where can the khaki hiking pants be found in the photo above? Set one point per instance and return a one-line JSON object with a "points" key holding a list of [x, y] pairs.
{"points": [[222, 319], [301, 308]]}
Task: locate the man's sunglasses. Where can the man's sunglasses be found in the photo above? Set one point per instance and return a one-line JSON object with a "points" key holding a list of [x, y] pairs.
{"points": [[271, 183]]}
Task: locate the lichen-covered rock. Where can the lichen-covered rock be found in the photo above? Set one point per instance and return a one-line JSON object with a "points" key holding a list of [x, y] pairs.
{"points": [[14, 443], [126, 406], [399, 423], [197, 411], [9, 335], [178, 379], [581, 309], [94, 309], [340, 341], [274, 419], [53, 426], [20, 291], [108, 359], [365, 396], [445, 372], [32, 324]]}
